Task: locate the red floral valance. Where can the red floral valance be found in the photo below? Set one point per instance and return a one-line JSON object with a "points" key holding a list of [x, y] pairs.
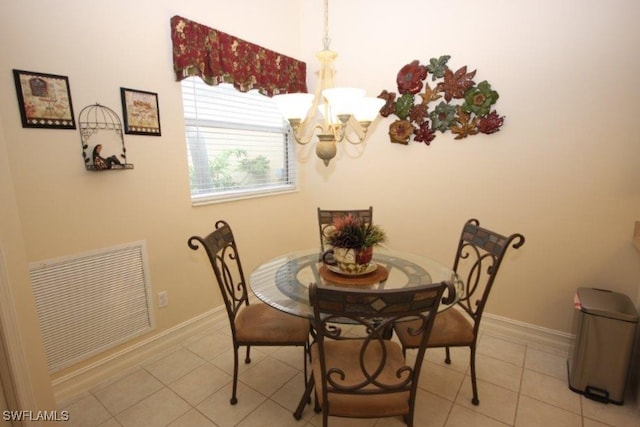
{"points": [[218, 57]]}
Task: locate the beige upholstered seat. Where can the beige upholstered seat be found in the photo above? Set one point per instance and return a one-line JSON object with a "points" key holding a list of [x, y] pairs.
{"points": [[452, 328], [251, 324], [326, 218], [360, 373], [260, 323], [478, 257], [344, 355]]}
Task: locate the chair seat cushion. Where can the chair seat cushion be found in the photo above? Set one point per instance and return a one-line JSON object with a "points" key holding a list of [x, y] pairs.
{"points": [[345, 355], [450, 328], [262, 324]]}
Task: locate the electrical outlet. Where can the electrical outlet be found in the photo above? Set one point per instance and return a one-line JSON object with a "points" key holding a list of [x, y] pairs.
{"points": [[163, 299]]}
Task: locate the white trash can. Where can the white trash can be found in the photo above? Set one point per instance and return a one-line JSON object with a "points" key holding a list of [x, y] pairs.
{"points": [[604, 324]]}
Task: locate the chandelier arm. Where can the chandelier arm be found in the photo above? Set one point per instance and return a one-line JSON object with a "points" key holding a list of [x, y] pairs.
{"points": [[300, 140], [359, 128], [299, 134], [358, 141]]}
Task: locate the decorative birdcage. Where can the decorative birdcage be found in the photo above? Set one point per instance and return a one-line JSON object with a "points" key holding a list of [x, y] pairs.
{"points": [[102, 139]]}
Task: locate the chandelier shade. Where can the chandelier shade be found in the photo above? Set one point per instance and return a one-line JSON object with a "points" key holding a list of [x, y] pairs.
{"points": [[368, 109], [345, 112], [343, 100], [294, 105]]}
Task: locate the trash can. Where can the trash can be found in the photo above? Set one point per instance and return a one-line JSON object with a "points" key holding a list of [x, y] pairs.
{"points": [[604, 324]]}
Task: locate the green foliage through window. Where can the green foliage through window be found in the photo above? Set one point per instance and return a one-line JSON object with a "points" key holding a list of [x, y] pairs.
{"points": [[238, 144]]}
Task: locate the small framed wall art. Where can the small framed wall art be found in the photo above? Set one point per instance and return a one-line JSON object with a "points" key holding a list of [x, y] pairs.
{"points": [[141, 112], [44, 100]]}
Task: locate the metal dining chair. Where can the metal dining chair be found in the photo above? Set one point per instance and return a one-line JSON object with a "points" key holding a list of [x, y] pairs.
{"points": [[477, 261], [255, 324], [327, 216], [357, 372]]}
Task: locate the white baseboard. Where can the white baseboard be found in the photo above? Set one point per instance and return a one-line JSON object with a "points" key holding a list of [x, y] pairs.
{"points": [[527, 333], [90, 376], [87, 377], [536, 336]]}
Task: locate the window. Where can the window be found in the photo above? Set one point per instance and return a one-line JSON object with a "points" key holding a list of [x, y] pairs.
{"points": [[238, 143]]}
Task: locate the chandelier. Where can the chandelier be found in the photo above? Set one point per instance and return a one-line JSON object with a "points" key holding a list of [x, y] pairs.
{"points": [[336, 113]]}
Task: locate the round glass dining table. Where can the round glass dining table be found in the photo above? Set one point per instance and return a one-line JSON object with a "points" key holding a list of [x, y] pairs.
{"points": [[282, 282]]}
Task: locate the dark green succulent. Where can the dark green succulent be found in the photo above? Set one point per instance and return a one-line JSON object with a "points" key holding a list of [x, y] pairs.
{"points": [[352, 232]]}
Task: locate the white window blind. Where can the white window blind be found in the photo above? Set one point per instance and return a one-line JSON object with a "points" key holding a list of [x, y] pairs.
{"points": [[238, 143]]}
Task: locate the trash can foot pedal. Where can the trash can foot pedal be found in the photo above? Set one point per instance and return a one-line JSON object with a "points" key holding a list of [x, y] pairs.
{"points": [[598, 394]]}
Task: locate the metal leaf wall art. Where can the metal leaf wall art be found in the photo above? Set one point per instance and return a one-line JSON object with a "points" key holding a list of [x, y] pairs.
{"points": [[448, 101]]}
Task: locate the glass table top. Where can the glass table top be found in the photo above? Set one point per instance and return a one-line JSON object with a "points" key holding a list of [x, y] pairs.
{"points": [[282, 282]]}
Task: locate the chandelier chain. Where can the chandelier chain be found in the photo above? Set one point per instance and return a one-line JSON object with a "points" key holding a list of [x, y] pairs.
{"points": [[326, 40]]}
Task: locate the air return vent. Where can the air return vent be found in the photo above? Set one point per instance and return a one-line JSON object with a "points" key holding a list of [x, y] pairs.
{"points": [[91, 302]]}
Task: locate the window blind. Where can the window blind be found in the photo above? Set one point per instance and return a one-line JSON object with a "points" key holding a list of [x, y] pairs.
{"points": [[238, 143]]}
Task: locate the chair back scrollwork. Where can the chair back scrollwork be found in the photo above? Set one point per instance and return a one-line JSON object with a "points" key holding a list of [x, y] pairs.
{"points": [[357, 359], [223, 255], [477, 261]]}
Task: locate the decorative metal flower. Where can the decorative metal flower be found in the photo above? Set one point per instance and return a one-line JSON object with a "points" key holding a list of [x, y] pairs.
{"points": [[404, 104], [400, 131], [419, 113], [456, 84], [424, 133], [479, 99], [465, 110], [437, 67], [410, 78], [490, 123], [466, 126], [430, 94], [444, 116], [389, 107]]}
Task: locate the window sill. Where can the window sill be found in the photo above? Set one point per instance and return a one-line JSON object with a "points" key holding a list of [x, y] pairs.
{"points": [[195, 202]]}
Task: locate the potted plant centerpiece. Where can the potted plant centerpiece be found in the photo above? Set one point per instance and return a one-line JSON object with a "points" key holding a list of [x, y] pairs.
{"points": [[352, 242]]}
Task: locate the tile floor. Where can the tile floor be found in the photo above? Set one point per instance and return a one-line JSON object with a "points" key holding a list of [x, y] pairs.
{"points": [[190, 385]]}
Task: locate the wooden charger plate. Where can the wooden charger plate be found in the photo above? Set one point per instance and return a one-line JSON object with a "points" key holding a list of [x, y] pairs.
{"points": [[378, 275]]}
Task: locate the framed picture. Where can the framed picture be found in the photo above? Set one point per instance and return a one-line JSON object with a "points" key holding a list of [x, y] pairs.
{"points": [[141, 112], [44, 99]]}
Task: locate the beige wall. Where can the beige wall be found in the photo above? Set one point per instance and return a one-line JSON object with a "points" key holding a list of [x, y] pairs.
{"points": [[563, 171], [26, 358], [62, 209]]}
